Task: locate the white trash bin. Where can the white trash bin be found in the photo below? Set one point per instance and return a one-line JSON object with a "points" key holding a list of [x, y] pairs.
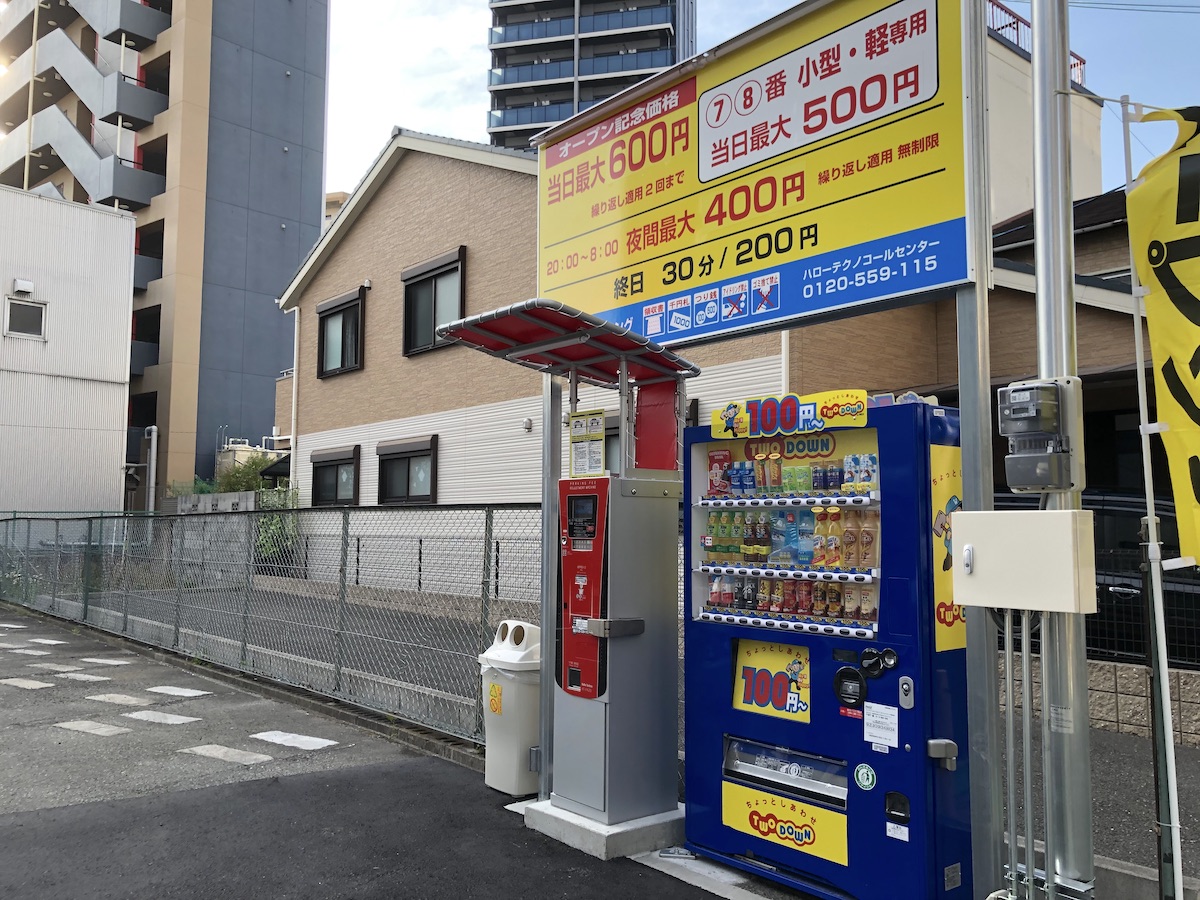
{"points": [[511, 706]]}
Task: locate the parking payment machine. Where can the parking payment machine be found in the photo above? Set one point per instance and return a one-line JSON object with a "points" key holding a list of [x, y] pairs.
{"points": [[614, 750], [611, 604], [826, 730]]}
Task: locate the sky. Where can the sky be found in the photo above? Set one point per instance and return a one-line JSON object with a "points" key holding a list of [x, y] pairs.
{"points": [[424, 67]]}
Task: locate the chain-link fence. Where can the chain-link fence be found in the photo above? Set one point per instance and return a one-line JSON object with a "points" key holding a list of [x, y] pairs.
{"points": [[384, 608]]}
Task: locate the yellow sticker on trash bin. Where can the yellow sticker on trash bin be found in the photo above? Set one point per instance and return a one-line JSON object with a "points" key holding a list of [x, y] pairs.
{"points": [[495, 698]]}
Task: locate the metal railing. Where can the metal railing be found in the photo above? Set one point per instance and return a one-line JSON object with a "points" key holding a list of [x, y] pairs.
{"points": [[1018, 30], [387, 609]]}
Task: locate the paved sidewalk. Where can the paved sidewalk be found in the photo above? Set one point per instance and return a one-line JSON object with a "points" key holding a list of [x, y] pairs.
{"points": [[96, 815]]}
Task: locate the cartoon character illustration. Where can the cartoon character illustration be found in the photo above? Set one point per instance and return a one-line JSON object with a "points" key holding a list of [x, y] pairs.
{"points": [[941, 528], [729, 416], [795, 673]]}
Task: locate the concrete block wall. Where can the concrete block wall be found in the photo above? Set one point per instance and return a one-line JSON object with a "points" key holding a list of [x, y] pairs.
{"points": [[1119, 697]]}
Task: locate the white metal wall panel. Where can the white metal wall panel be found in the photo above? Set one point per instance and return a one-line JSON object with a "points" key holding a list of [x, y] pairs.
{"points": [[63, 401], [80, 260], [484, 454]]}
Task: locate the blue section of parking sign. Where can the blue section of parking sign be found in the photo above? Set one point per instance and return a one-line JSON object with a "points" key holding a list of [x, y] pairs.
{"points": [[875, 271]]}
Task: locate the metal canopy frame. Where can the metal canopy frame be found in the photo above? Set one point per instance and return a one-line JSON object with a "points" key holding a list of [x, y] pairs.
{"points": [[559, 342]]}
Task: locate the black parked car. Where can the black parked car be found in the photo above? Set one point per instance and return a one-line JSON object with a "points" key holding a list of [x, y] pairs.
{"points": [[1117, 631]]}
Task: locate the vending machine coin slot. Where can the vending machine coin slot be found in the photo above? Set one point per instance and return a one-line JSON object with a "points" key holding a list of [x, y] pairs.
{"points": [[850, 687]]}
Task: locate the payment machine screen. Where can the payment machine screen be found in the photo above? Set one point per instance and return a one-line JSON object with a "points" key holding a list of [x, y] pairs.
{"points": [[581, 517]]}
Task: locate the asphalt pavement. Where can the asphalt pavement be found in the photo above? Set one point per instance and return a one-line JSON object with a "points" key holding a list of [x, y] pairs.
{"points": [[127, 776]]}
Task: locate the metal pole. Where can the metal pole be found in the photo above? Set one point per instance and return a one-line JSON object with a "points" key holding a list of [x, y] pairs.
{"points": [[975, 404], [1027, 746], [1067, 748], [87, 558], [37, 8], [551, 469], [626, 433], [1170, 860], [249, 587], [1010, 753], [57, 564], [27, 580], [341, 625], [178, 561], [485, 600]]}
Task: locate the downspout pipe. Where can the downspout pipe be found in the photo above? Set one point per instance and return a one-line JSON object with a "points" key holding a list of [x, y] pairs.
{"points": [[151, 467]]}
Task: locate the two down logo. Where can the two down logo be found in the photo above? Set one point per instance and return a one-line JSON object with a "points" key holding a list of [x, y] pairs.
{"points": [[799, 833]]}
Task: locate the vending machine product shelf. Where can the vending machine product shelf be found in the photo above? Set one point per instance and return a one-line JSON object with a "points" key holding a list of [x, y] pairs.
{"points": [[825, 706]]}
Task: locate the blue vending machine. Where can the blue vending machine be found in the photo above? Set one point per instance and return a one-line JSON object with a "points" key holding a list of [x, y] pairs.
{"points": [[826, 719]]}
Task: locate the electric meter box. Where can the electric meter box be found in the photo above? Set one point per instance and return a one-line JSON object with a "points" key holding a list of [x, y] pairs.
{"points": [[1042, 560], [1039, 419]]}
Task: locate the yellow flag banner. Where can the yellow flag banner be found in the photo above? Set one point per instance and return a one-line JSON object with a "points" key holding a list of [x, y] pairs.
{"points": [[1164, 233]]}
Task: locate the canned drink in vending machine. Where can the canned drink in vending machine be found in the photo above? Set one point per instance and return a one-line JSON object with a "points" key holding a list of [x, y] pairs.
{"points": [[804, 479], [833, 601], [833, 477], [789, 596], [819, 601], [848, 477], [804, 598], [868, 611]]}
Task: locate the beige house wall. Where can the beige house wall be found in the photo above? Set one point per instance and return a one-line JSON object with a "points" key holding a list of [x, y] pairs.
{"points": [[283, 410], [428, 206], [1010, 135]]}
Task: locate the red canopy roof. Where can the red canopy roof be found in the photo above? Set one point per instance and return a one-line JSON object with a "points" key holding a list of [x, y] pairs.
{"points": [[553, 338]]}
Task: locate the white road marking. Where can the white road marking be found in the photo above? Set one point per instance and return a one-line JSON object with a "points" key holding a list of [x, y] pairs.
{"points": [[32, 652], [27, 683], [54, 667], [9, 646], [178, 691], [10, 625], [108, 662], [44, 641], [83, 676], [300, 741], [228, 754], [120, 699], [162, 718], [98, 728]]}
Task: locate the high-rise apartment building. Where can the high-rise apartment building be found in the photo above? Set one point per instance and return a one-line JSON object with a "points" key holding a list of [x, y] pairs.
{"points": [[554, 58], [206, 120]]}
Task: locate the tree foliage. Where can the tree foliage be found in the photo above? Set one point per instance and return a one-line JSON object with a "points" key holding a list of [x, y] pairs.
{"points": [[244, 476]]}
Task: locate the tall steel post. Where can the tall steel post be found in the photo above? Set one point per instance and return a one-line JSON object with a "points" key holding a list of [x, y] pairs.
{"points": [[1066, 749], [975, 403], [551, 466], [1170, 861]]}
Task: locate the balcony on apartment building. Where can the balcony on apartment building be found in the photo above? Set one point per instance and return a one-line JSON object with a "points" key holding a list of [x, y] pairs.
{"points": [[621, 63], [538, 115], [62, 69], [144, 346], [138, 23], [564, 27]]}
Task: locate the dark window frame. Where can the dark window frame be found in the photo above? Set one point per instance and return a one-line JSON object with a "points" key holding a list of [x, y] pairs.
{"points": [[334, 459], [428, 271], [44, 309], [414, 448], [356, 300]]}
